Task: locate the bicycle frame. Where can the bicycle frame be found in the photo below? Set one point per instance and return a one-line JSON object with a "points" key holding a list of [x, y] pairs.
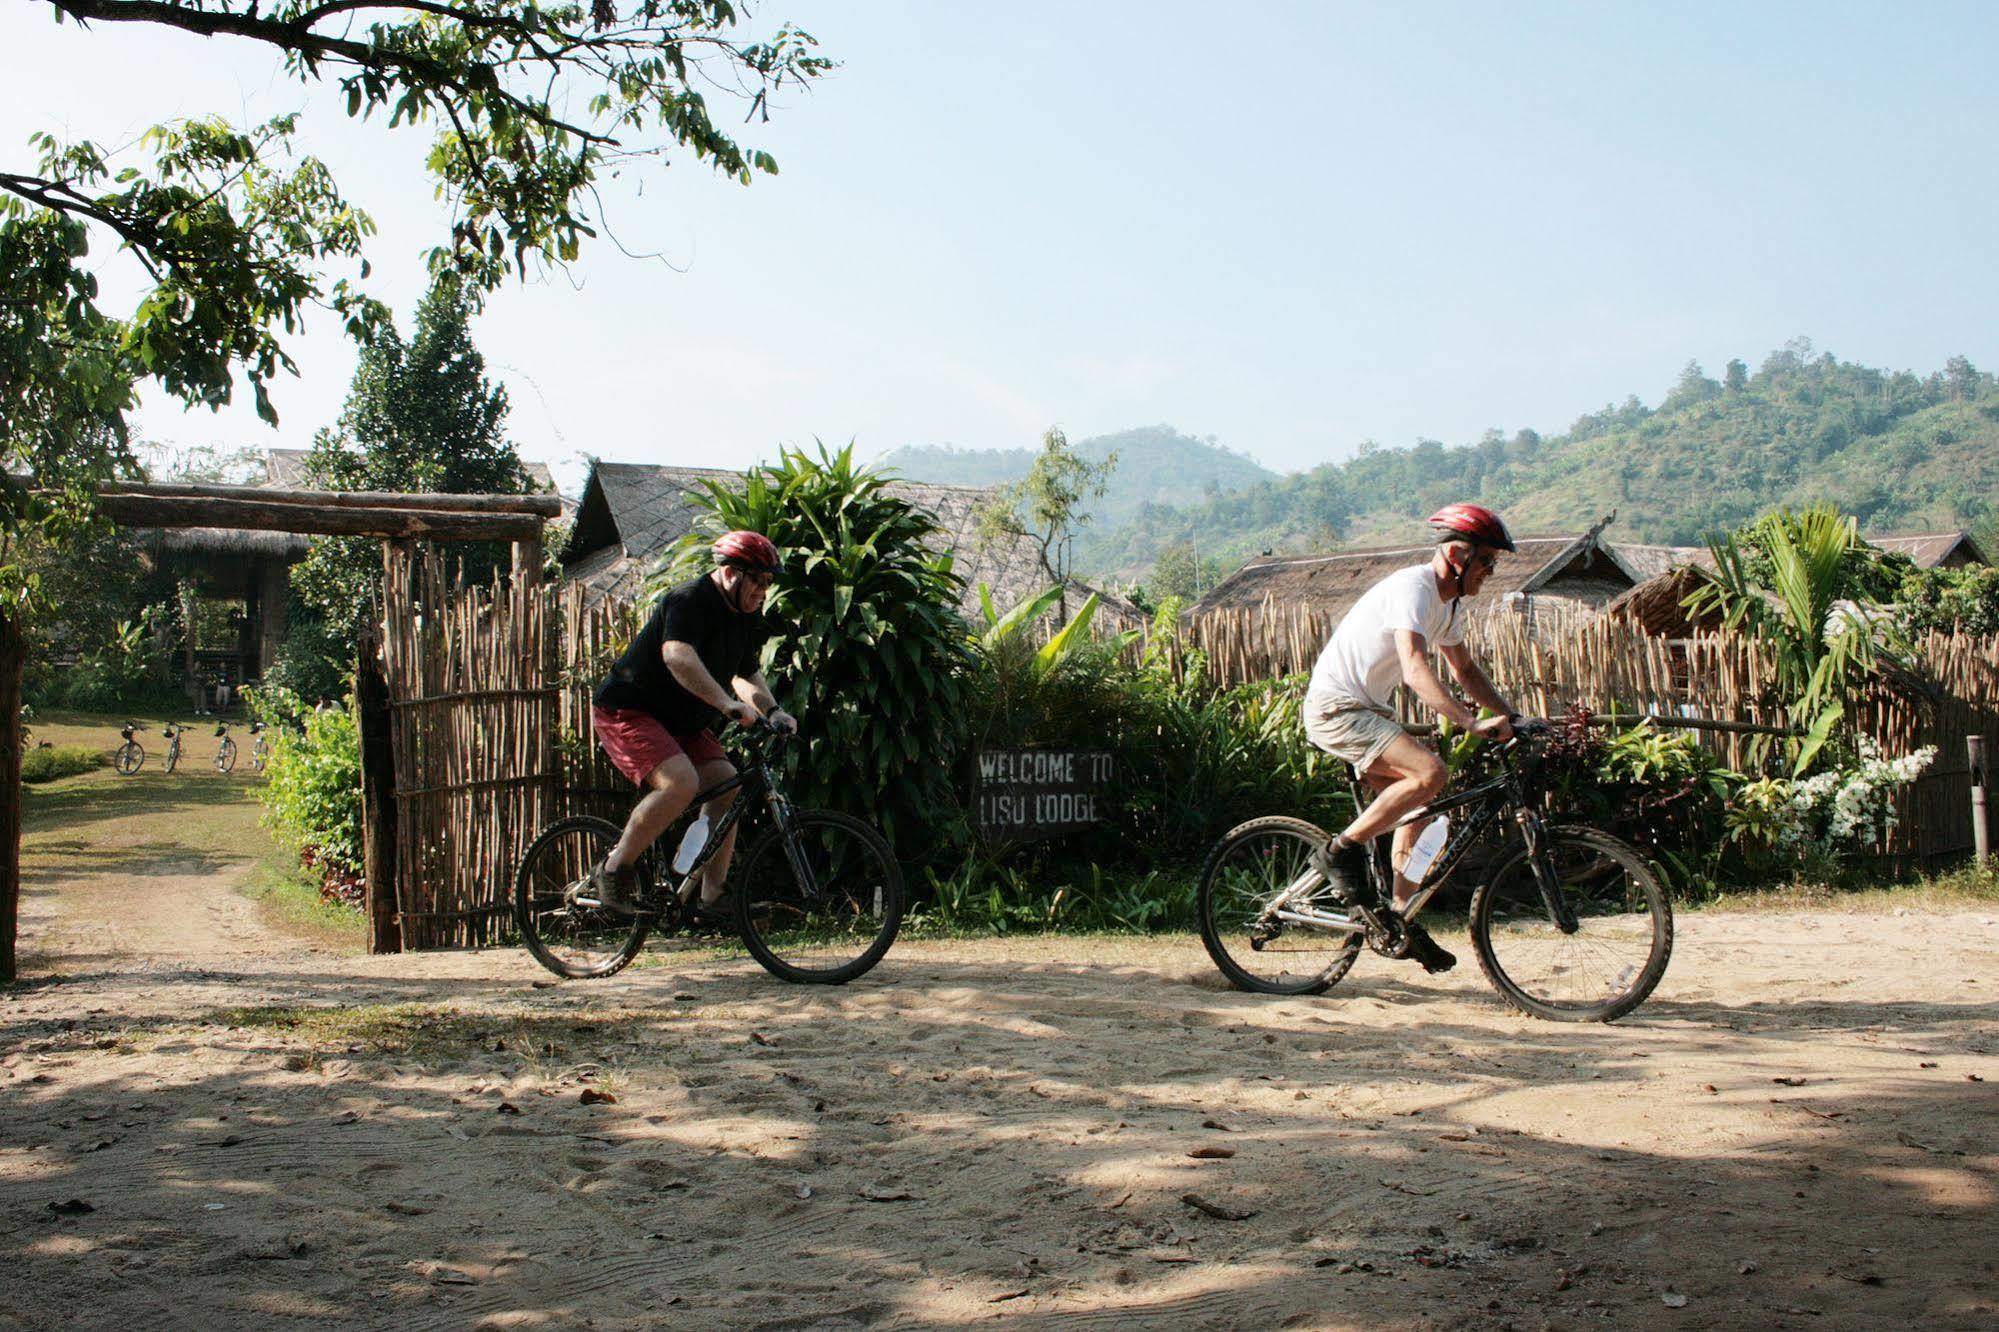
{"points": [[1492, 797], [754, 779]]}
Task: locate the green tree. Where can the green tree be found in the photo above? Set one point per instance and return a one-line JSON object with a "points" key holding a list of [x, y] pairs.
{"points": [[1182, 571], [420, 417], [1047, 505], [1736, 377], [237, 235]]}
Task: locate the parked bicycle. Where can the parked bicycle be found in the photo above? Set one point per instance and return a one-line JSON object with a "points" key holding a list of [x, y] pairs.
{"points": [[225, 753], [1572, 924], [131, 755], [818, 895], [260, 747], [172, 733]]}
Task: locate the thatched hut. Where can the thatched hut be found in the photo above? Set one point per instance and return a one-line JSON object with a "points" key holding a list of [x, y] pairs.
{"points": [[1548, 581]]}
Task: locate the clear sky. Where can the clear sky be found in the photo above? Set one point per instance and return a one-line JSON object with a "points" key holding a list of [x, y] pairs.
{"points": [[1290, 226]]}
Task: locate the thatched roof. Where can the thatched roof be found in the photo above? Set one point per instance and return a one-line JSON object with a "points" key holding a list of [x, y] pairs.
{"points": [[631, 513], [1585, 570], [1933, 550], [1654, 605]]}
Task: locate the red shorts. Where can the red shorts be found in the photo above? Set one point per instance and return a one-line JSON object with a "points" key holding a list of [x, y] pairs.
{"points": [[637, 743]]}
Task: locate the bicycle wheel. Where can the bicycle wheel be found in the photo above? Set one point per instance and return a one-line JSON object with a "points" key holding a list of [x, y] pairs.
{"points": [[260, 754], [1245, 872], [1623, 938], [225, 755], [129, 758], [822, 908], [173, 755], [568, 938]]}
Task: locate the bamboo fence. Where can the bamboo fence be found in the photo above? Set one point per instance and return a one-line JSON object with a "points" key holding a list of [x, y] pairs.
{"points": [[1718, 684], [473, 725], [489, 700]]}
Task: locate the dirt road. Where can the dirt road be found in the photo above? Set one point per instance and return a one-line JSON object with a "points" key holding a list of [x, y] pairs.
{"points": [[1798, 1131]]}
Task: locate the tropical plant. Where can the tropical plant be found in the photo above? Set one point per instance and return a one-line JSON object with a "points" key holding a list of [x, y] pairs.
{"points": [[312, 797], [1824, 643], [868, 650], [1048, 504]]}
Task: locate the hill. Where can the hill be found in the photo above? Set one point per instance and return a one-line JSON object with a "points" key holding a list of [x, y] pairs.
{"points": [[1899, 450], [1157, 465]]}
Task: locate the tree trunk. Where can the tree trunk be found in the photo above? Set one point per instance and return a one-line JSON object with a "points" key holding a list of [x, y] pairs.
{"points": [[378, 796], [13, 652]]}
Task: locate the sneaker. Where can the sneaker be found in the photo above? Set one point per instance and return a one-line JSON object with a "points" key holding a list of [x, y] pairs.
{"points": [[616, 890], [1435, 958], [716, 917], [1345, 871]]}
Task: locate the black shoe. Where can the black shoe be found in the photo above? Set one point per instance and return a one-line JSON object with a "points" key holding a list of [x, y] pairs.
{"points": [[1436, 959], [1345, 871], [716, 917], [616, 890]]}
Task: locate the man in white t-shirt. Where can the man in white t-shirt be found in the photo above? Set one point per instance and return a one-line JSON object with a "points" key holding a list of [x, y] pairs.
{"points": [[1383, 642]]}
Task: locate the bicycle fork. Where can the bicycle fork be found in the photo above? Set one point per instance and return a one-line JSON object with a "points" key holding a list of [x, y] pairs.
{"points": [[1560, 913]]}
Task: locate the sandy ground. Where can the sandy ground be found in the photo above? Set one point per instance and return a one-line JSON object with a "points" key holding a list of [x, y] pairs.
{"points": [[1797, 1131]]}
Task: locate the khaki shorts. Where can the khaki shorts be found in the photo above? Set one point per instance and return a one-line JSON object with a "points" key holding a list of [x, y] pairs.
{"points": [[1349, 730]]}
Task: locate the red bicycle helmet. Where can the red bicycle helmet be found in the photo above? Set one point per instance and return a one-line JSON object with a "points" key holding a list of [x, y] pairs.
{"points": [[1471, 522], [749, 551]]}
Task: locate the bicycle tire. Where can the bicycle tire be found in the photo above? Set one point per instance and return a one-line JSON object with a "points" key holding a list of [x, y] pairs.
{"points": [[260, 754], [172, 759], [130, 758], [1261, 873], [225, 755], [1509, 921], [780, 921], [560, 854]]}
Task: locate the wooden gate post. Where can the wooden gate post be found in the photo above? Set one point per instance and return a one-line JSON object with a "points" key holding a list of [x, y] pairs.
{"points": [[378, 795], [13, 654]]}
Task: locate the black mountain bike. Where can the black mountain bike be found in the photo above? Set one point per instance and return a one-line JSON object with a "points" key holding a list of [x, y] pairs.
{"points": [[131, 755], [1572, 924], [818, 894], [225, 753]]}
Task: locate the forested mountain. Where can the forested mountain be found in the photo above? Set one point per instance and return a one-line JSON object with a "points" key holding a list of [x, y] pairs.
{"points": [[1157, 465], [1902, 451]]}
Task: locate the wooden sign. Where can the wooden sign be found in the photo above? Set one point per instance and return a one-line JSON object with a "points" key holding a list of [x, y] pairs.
{"points": [[1025, 794]]}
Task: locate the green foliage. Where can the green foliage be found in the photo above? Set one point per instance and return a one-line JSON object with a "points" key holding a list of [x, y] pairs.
{"points": [[1948, 600], [983, 897], [1824, 640], [1898, 450], [312, 795], [868, 652], [420, 417], [47, 764], [1183, 571], [237, 234], [1049, 503]]}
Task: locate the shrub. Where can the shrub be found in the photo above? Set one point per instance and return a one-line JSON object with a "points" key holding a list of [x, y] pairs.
{"points": [[47, 764], [868, 649], [312, 798]]}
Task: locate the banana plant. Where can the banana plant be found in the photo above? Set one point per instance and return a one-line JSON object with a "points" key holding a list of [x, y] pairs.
{"points": [[1824, 639]]}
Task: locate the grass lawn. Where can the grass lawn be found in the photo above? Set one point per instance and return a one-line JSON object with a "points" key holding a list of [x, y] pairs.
{"points": [[197, 818]]}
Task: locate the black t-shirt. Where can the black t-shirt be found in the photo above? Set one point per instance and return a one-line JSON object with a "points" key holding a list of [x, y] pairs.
{"points": [[727, 641]]}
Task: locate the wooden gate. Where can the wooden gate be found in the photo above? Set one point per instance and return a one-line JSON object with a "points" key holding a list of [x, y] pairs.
{"points": [[472, 729]]}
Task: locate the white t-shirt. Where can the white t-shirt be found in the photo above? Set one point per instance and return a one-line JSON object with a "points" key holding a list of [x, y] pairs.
{"points": [[1360, 662]]}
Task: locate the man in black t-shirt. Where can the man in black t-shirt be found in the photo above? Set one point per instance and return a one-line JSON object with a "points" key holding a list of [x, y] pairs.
{"points": [[653, 712]]}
